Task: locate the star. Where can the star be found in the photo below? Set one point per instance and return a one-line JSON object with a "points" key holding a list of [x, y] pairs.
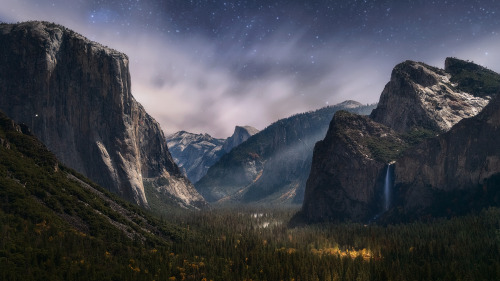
{"points": [[242, 54]]}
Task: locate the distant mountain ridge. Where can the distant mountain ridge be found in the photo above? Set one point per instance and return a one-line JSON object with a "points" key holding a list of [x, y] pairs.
{"points": [[75, 96], [272, 166], [195, 153]]}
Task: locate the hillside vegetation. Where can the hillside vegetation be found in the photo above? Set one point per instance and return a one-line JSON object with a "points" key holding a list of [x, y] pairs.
{"points": [[56, 225], [473, 78]]}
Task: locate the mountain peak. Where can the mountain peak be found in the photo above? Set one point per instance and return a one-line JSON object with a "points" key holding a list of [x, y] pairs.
{"points": [[419, 95], [241, 134], [195, 153], [349, 104]]}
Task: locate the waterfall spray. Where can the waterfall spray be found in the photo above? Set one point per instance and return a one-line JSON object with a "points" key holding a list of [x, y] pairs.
{"points": [[387, 188], [387, 192]]}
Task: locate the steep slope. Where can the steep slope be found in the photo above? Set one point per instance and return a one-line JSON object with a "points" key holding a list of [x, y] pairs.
{"points": [[56, 223], [454, 173], [273, 165], [348, 169], [436, 168], [419, 95], [75, 96], [195, 153]]}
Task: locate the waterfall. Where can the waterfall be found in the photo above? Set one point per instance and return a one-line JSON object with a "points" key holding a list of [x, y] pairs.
{"points": [[387, 193], [387, 188]]}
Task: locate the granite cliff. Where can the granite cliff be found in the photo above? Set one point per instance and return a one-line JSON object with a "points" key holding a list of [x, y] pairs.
{"points": [[348, 182], [272, 166], [240, 135], [75, 96], [443, 149], [195, 153], [419, 95], [453, 173]]}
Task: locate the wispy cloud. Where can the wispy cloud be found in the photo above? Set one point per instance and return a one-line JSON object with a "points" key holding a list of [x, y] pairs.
{"points": [[202, 84]]}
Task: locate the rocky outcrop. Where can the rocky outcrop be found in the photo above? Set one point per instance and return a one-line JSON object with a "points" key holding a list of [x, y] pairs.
{"points": [[454, 172], [75, 96], [240, 135], [272, 166], [419, 95], [443, 145], [195, 153], [348, 170]]}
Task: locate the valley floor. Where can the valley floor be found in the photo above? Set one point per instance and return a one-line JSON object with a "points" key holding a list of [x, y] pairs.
{"points": [[256, 244]]}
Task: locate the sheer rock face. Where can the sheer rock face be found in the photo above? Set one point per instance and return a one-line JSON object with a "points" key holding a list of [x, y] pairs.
{"points": [[346, 179], [75, 95], [196, 153], [240, 135], [462, 164], [419, 95]]}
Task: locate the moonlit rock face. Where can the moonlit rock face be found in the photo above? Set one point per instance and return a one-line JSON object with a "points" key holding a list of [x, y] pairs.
{"points": [[75, 96], [194, 153], [419, 95], [240, 135]]}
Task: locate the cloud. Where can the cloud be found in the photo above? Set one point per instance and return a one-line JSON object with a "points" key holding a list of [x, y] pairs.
{"points": [[205, 84]]}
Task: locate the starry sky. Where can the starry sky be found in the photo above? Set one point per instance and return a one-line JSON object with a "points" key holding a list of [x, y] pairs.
{"points": [[206, 66]]}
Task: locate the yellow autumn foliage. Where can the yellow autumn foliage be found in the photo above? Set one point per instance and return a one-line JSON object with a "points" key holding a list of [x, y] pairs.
{"points": [[366, 254]]}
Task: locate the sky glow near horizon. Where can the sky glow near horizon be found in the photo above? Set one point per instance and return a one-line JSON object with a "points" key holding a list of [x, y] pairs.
{"points": [[207, 66]]}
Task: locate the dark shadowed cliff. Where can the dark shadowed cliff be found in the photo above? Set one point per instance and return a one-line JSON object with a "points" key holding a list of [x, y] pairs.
{"points": [[347, 174]]}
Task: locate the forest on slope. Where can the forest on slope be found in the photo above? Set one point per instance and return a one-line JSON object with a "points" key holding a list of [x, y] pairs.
{"points": [[57, 225]]}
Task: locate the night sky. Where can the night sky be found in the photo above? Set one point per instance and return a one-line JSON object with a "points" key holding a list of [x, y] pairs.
{"points": [[206, 66]]}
